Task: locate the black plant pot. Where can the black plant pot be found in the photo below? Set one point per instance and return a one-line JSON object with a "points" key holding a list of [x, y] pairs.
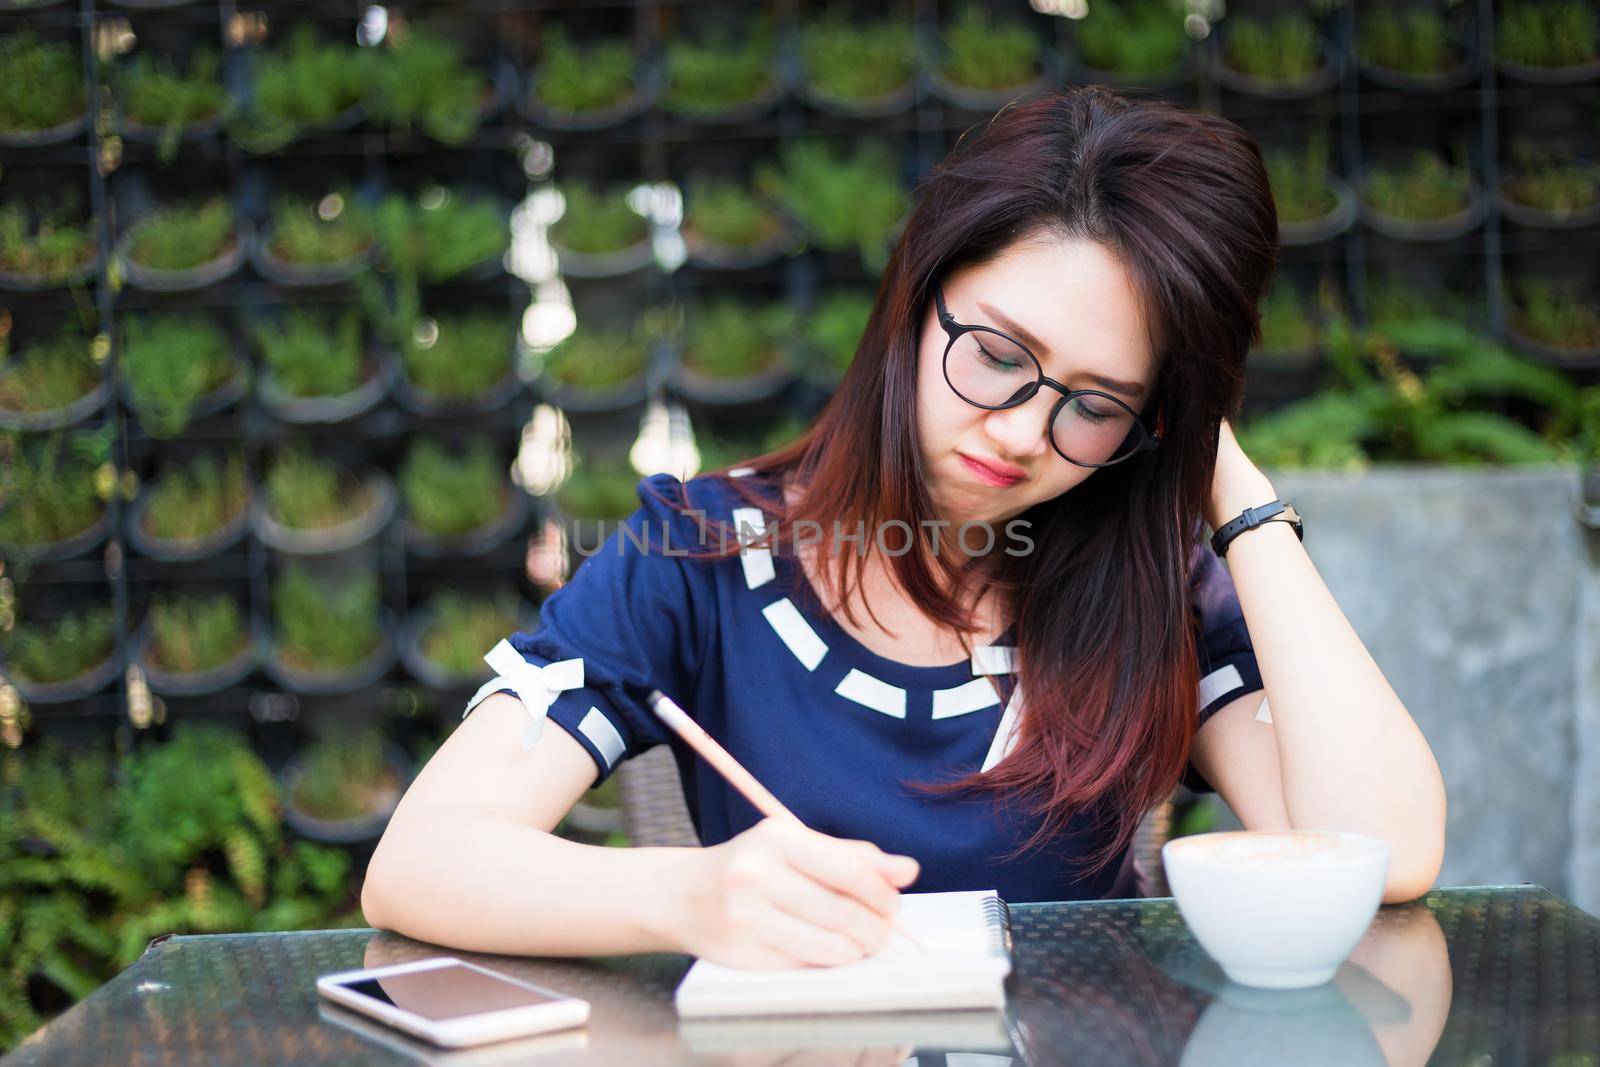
{"points": [[219, 399], [708, 391], [427, 672], [224, 675], [885, 105], [430, 406], [324, 541], [154, 279], [708, 255], [513, 516], [744, 111], [60, 133], [177, 550], [646, 92], [292, 275], [336, 682], [1581, 358], [86, 684], [1436, 81], [146, 134], [343, 831], [81, 543], [1320, 80], [991, 99], [17, 281], [1464, 221], [57, 418], [383, 369], [624, 396], [1324, 227], [1540, 218], [634, 258], [1529, 75]]}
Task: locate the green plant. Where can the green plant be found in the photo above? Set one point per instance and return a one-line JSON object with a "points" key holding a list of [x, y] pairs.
{"points": [[460, 355], [48, 242], [462, 627], [198, 498], [849, 59], [310, 351], [50, 373], [732, 338], [577, 78], [836, 326], [1302, 185], [48, 484], [183, 236], [719, 71], [97, 857], [1282, 48], [334, 228], [1413, 40], [597, 357], [982, 52], [1548, 33], [173, 360], [1551, 181], [422, 79], [344, 775], [308, 492], [442, 232], [449, 494], [43, 84], [727, 213], [194, 633], [1418, 322], [845, 200], [63, 648], [1425, 188], [322, 623], [1141, 38], [306, 85], [1556, 312], [1287, 323], [599, 489], [597, 220], [154, 93]]}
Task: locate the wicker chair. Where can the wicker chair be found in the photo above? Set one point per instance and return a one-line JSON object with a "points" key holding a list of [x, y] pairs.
{"points": [[654, 813]]}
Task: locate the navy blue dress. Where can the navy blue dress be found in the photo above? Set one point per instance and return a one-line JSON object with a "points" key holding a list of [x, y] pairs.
{"points": [[830, 727]]}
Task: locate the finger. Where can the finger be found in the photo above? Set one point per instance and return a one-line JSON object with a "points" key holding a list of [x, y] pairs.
{"points": [[844, 867], [820, 905], [808, 944]]}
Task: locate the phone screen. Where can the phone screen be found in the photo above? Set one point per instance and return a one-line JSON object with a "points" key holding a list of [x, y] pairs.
{"points": [[448, 992]]}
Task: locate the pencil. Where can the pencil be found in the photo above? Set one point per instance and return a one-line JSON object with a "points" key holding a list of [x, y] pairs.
{"points": [[731, 769]]}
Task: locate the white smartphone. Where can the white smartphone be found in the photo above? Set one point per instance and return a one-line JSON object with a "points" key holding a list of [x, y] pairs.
{"points": [[453, 1003]]}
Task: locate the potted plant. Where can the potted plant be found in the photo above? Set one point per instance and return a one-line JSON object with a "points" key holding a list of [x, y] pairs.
{"points": [[723, 79], [1548, 190], [1413, 48], [1290, 342], [70, 656], [53, 381], [847, 202], [1278, 56], [51, 506], [597, 368], [1139, 42], [422, 80], [1548, 42], [985, 62], [178, 367], [459, 364], [444, 234], [310, 85], [833, 334], [46, 247], [1313, 203], [1423, 325], [159, 104], [342, 788], [1554, 321], [316, 366], [41, 96], [1422, 199], [184, 246], [735, 353], [599, 234], [330, 632], [587, 86], [859, 68], [596, 495], [730, 226], [194, 644], [445, 640], [194, 510], [457, 502], [313, 506], [315, 242]]}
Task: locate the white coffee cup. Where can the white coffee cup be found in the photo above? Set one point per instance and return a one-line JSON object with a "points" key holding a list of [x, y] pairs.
{"points": [[1275, 909]]}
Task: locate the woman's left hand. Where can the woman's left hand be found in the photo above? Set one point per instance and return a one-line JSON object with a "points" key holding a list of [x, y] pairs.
{"points": [[1236, 482]]}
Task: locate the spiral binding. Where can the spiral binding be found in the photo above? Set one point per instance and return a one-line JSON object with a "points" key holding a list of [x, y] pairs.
{"points": [[998, 916]]}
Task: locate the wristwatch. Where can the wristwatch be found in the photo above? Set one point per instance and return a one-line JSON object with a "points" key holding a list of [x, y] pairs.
{"points": [[1277, 511]]}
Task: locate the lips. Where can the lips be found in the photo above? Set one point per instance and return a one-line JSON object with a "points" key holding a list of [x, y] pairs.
{"points": [[990, 474]]}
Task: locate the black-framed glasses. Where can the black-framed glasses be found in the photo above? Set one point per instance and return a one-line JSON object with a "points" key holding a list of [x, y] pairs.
{"points": [[993, 370]]}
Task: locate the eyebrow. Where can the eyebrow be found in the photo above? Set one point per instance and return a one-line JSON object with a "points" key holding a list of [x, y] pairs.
{"points": [[1039, 347]]}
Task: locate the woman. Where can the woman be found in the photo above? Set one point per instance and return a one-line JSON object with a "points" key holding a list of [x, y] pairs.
{"points": [[875, 680]]}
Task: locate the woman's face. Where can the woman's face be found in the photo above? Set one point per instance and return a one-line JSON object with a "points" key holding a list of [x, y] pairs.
{"points": [[1080, 304]]}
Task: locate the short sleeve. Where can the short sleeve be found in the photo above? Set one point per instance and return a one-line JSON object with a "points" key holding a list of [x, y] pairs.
{"points": [[1227, 659], [636, 613]]}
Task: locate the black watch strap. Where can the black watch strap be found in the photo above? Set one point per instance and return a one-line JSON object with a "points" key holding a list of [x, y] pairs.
{"points": [[1277, 511]]}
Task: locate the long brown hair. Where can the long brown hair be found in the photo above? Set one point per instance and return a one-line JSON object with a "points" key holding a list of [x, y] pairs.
{"points": [[1102, 604]]}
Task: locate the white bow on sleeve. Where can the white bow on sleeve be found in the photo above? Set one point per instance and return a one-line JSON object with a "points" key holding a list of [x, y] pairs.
{"points": [[536, 686]]}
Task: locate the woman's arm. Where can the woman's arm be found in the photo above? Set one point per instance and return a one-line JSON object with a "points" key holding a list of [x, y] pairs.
{"points": [[1341, 748]]}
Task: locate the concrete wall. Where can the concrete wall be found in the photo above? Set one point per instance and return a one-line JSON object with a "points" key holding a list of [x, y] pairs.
{"points": [[1478, 595]]}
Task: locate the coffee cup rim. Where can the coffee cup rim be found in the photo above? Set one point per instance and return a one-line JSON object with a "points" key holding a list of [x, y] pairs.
{"points": [[1370, 846]]}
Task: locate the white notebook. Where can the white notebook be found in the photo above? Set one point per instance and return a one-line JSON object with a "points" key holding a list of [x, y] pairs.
{"points": [[967, 936]]}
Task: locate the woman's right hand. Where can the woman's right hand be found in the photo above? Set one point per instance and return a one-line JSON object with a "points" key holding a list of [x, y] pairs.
{"points": [[783, 895]]}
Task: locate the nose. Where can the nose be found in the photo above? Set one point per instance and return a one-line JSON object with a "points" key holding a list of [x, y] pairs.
{"points": [[1021, 432]]}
